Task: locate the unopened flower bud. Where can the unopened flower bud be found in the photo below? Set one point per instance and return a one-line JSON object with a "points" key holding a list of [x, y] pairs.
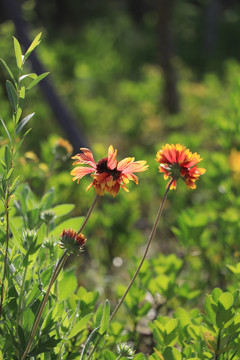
{"points": [[71, 241]]}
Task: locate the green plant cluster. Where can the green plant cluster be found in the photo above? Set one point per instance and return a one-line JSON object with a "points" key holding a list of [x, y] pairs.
{"points": [[185, 301]]}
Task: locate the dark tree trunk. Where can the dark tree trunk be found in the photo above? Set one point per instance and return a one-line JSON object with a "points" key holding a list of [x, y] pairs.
{"points": [[166, 49], [212, 18], [61, 112]]}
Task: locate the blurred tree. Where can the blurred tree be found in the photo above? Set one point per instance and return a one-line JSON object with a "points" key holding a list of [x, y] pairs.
{"points": [[12, 10], [166, 53]]}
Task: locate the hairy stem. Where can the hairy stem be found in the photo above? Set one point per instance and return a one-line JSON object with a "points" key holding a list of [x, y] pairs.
{"points": [[145, 252], [88, 214]]}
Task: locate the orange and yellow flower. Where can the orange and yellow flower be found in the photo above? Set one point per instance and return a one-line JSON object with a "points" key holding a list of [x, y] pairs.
{"points": [[177, 162], [108, 174]]}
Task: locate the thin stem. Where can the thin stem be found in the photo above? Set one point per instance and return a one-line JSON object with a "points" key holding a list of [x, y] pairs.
{"points": [[145, 252], [88, 214], [139, 266], [55, 274], [5, 257]]}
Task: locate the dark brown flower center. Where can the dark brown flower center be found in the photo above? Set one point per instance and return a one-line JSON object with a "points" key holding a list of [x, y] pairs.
{"points": [[103, 168]]}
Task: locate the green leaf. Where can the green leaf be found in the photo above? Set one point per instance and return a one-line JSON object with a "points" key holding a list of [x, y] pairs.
{"points": [[67, 285], [41, 234], [63, 209], [23, 138], [6, 130], [18, 53], [24, 122], [216, 293], [98, 315], [109, 355], [9, 71], [105, 318], [31, 76], [37, 80], [17, 237], [21, 337], [33, 45], [73, 224], [47, 200], [211, 314], [171, 354], [9, 174], [14, 185], [12, 94], [8, 157], [226, 300], [80, 325]]}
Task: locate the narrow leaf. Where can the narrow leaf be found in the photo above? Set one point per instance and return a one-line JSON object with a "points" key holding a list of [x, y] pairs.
{"points": [[37, 80], [8, 157], [9, 174], [24, 122], [105, 318], [18, 53], [8, 70], [12, 94], [33, 45], [6, 130], [23, 138], [31, 76]]}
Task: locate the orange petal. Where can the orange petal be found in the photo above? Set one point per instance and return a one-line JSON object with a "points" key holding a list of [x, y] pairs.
{"points": [[112, 162], [79, 172]]}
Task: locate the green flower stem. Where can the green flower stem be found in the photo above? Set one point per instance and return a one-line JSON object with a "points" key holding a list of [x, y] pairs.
{"points": [[140, 265], [145, 252], [55, 274]]}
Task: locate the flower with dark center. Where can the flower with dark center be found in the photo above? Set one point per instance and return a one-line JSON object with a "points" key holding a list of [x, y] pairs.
{"points": [[177, 162], [108, 174]]}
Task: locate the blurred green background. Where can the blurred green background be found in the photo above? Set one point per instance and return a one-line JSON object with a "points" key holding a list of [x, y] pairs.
{"points": [[137, 75]]}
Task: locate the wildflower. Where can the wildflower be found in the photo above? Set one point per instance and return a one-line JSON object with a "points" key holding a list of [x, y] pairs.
{"points": [[108, 174], [178, 162], [234, 161], [31, 156], [71, 241], [63, 149]]}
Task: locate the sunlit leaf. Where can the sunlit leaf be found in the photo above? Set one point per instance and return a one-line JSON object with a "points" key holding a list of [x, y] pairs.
{"points": [[24, 122], [18, 53]]}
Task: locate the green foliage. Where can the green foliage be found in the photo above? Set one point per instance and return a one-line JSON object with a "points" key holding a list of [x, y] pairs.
{"points": [[185, 301]]}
